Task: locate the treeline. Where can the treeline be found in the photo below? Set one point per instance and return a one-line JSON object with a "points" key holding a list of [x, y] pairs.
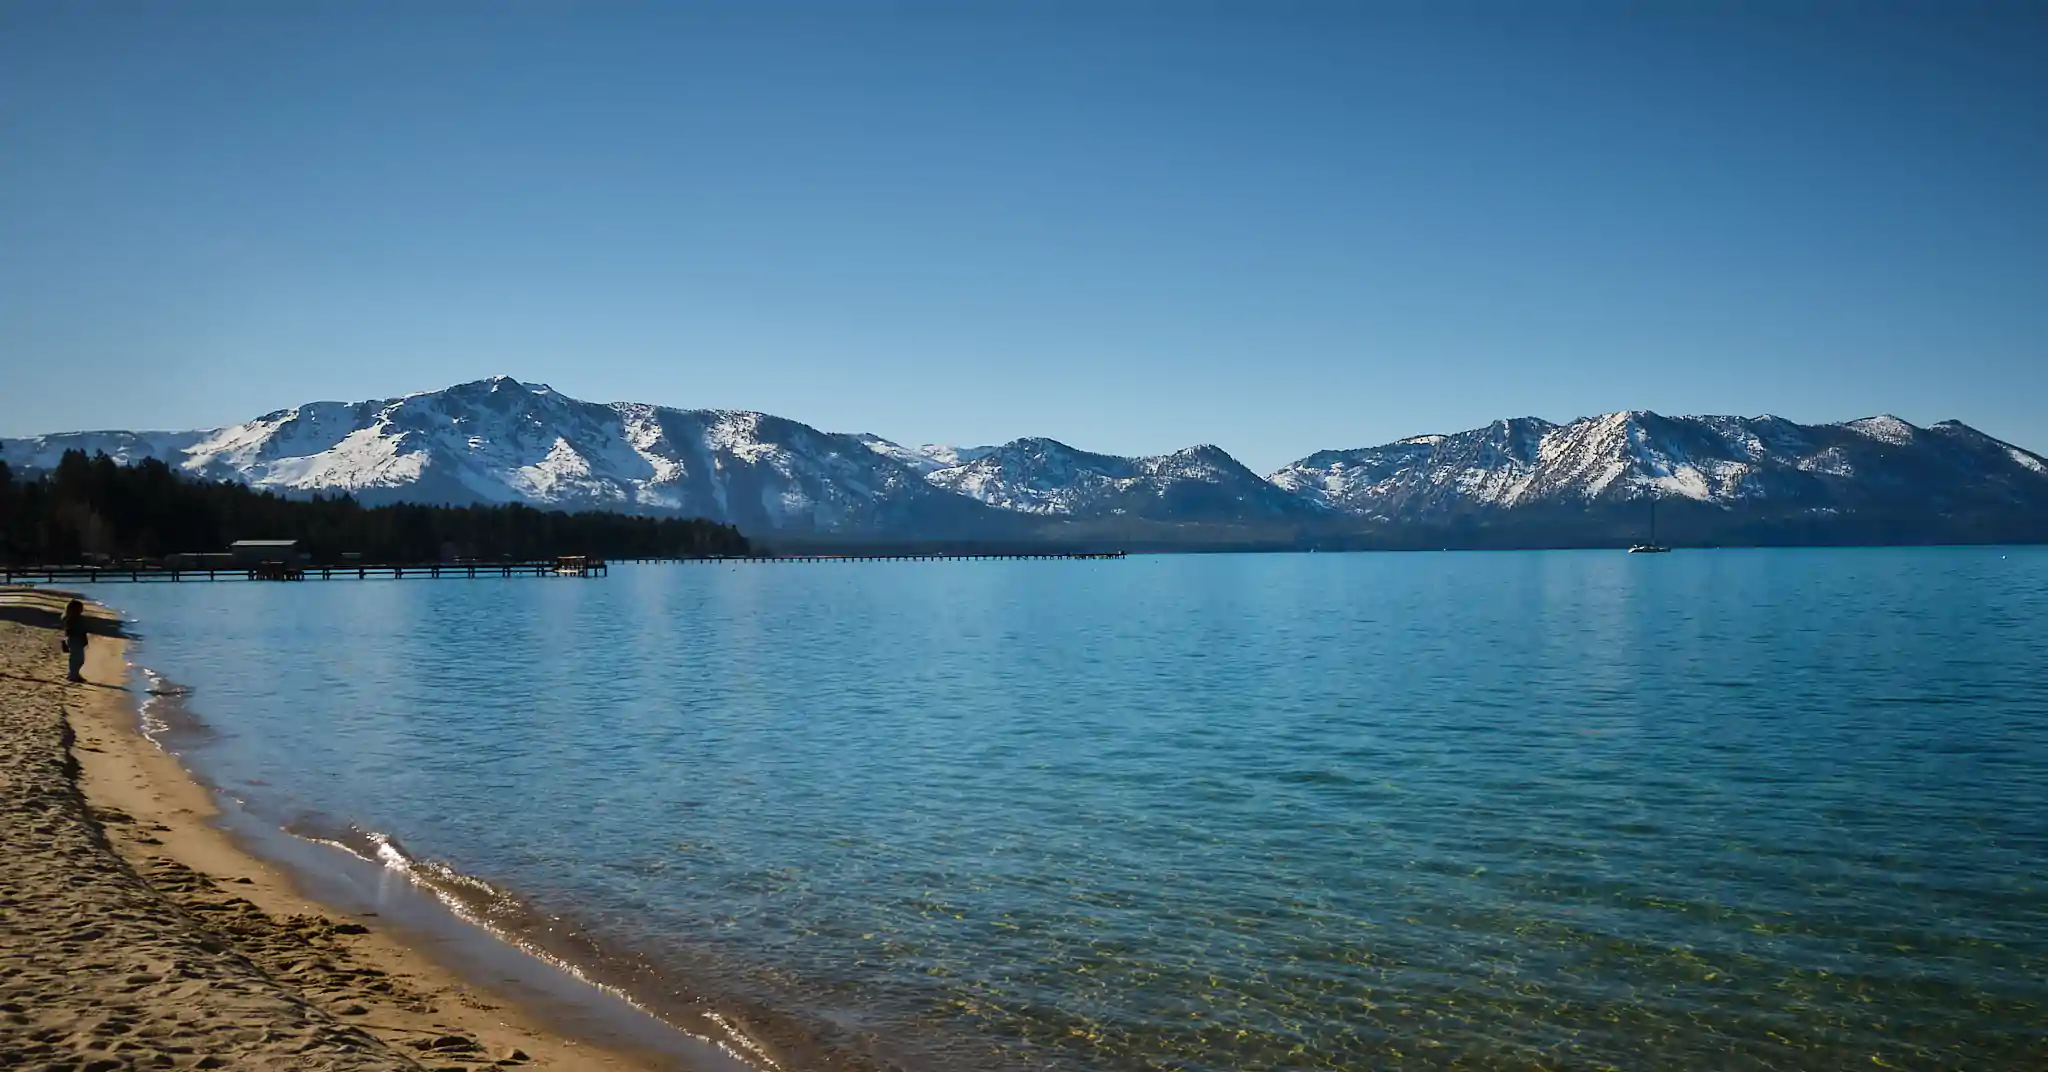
{"points": [[88, 508]]}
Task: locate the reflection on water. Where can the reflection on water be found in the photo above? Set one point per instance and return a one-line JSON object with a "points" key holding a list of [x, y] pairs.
{"points": [[1716, 809]]}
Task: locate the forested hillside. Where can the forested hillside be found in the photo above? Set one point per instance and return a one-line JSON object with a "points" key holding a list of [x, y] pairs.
{"points": [[88, 507]]}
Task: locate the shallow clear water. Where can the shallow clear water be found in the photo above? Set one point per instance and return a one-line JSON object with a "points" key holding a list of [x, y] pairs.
{"points": [[1730, 809]]}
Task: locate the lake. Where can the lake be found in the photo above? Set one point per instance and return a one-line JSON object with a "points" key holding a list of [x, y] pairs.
{"points": [[1715, 809]]}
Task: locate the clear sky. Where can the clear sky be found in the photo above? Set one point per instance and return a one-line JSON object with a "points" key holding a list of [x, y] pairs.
{"points": [[1279, 227]]}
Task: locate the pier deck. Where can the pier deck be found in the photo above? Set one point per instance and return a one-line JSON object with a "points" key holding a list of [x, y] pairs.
{"points": [[906, 556], [359, 571], [353, 571]]}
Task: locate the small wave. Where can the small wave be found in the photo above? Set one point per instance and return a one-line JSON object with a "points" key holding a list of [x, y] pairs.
{"points": [[478, 903], [161, 711]]}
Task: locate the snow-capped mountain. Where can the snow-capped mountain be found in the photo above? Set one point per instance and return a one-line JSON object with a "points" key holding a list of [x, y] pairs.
{"points": [[1045, 476], [500, 440], [1757, 463], [1520, 482]]}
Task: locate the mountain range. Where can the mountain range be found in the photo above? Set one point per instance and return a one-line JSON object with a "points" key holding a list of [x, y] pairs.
{"points": [[1517, 482]]}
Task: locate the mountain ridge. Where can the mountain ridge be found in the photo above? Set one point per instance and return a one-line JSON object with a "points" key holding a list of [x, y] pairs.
{"points": [[1522, 479]]}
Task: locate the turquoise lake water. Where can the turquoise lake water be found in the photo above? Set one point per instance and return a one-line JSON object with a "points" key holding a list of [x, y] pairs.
{"points": [[1716, 809]]}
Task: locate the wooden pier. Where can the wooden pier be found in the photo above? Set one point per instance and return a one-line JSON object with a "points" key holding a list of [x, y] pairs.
{"points": [[566, 566], [572, 566], [908, 556]]}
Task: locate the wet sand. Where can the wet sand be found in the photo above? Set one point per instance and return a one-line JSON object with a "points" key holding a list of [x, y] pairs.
{"points": [[136, 934]]}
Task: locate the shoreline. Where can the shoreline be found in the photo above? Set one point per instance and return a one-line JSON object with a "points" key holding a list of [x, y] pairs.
{"points": [[359, 957]]}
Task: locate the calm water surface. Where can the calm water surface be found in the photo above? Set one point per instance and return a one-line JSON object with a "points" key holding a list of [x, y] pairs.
{"points": [[1727, 809]]}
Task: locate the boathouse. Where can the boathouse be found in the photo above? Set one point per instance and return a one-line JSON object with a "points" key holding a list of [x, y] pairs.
{"points": [[257, 552]]}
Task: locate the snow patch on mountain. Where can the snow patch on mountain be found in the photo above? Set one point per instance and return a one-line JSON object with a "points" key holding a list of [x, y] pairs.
{"points": [[927, 459], [947, 456], [363, 458], [1831, 461], [1884, 428]]}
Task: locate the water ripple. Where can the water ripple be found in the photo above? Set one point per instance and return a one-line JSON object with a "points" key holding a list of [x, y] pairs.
{"points": [[1726, 809]]}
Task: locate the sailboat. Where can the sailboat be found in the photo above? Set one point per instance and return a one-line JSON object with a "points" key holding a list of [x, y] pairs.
{"points": [[1653, 547]]}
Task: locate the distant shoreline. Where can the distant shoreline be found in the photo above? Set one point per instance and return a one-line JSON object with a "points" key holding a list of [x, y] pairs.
{"points": [[28, 578]]}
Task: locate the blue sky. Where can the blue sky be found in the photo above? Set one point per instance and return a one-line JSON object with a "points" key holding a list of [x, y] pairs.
{"points": [[1278, 227]]}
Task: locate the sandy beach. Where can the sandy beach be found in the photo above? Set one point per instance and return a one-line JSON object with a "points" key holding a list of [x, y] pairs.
{"points": [[134, 934]]}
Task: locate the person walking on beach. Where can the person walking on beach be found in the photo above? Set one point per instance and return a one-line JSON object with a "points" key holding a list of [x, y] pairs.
{"points": [[74, 638]]}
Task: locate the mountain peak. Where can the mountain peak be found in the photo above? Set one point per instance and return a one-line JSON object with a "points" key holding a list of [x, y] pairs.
{"points": [[1883, 427], [1042, 443], [1036, 475], [1206, 454], [1957, 428], [494, 383]]}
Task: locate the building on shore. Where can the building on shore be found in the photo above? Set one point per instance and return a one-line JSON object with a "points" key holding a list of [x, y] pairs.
{"points": [[259, 552]]}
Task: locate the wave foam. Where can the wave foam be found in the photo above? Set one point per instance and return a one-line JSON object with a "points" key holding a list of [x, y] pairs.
{"points": [[478, 903]]}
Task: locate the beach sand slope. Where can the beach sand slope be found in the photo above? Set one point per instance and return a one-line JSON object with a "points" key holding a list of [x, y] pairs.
{"points": [[98, 969]]}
